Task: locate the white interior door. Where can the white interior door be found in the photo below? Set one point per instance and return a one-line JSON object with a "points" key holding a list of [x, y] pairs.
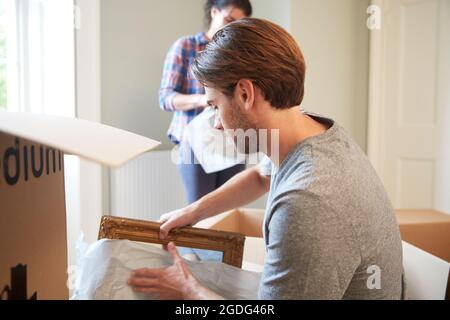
{"points": [[409, 80]]}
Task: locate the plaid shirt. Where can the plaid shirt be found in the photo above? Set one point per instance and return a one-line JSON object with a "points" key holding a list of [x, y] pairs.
{"points": [[177, 79]]}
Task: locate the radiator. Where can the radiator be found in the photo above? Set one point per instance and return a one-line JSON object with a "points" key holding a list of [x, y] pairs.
{"points": [[146, 187]]}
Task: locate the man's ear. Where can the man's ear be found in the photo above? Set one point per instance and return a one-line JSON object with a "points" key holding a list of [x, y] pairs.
{"points": [[245, 93], [214, 11]]}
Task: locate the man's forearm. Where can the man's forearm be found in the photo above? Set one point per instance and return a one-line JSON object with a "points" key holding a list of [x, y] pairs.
{"points": [[185, 102], [240, 190]]}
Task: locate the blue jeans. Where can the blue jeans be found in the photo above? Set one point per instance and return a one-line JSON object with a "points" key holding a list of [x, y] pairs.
{"points": [[197, 184]]}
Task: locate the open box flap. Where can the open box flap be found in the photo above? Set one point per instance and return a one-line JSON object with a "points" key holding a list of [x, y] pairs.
{"points": [[97, 142]]}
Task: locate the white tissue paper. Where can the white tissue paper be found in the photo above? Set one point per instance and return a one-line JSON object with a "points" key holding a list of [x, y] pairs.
{"points": [[107, 266], [214, 150]]}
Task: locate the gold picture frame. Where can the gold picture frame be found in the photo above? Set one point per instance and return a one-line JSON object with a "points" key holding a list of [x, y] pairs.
{"points": [[231, 244]]}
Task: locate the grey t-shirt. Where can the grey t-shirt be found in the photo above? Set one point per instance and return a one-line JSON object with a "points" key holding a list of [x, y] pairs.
{"points": [[330, 230]]}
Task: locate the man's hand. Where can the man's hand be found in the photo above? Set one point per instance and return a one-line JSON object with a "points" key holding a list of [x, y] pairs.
{"points": [[176, 219], [173, 283]]}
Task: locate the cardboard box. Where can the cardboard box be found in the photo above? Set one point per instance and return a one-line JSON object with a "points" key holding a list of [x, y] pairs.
{"points": [[247, 222], [426, 229], [427, 258], [33, 240], [426, 236]]}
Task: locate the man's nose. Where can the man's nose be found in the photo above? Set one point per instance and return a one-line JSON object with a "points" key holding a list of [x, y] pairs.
{"points": [[218, 124]]}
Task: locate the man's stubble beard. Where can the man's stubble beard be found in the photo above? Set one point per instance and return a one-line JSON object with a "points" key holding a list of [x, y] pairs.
{"points": [[241, 124]]}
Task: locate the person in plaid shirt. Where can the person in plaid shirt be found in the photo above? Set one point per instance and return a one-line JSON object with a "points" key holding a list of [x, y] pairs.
{"points": [[183, 95]]}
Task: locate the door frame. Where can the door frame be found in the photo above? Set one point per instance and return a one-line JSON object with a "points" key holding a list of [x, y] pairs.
{"points": [[88, 107], [377, 91]]}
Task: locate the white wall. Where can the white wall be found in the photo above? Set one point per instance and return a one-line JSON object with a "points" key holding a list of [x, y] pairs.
{"points": [[278, 11], [135, 37], [335, 42]]}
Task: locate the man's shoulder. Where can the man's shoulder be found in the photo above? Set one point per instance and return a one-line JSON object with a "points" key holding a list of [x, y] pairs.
{"points": [[296, 173]]}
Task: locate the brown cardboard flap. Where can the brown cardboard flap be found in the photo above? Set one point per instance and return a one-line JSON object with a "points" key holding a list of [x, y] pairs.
{"points": [[411, 216], [428, 230], [246, 221], [93, 141], [251, 222], [227, 221]]}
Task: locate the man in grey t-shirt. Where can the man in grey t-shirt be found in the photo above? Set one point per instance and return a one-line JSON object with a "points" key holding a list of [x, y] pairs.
{"points": [[330, 230]]}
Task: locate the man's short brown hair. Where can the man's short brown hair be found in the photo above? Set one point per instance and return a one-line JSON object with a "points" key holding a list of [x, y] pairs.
{"points": [[260, 51]]}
